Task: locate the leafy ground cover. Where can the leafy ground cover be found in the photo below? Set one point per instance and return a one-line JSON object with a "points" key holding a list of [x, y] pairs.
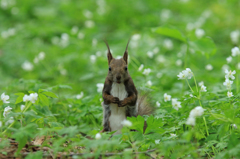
{"points": [[53, 64]]}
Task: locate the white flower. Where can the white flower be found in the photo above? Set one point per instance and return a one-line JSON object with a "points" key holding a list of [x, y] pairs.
{"points": [[27, 66], [98, 136], [89, 24], [0, 124], [181, 75], [88, 14], [10, 121], [228, 83], [188, 73], [74, 30], [203, 88], [93, 58], [63, 71], [229, 94], [235, 36], [225, 67], [32, 97], [118, 57], [158, 104], [168, 44], [126, 123], [190, 26], [161, 59], [159, 75], [79, 96], [36, 60], [136, 37], [149, 83], [238, 66], [146, 71], [176, 105], [94, 42], [41, 55], [185, 74], [196, 112], [173, 135], [192, 96], [6, 110], [141, 67], [80, 35], [98, 53], [70, 106], [4, 98], [157, 141], [235, 126], [229, 59], [179, 62], [209, 67], [165, 14], [235, 51], [26, 98], [191, 121], [155, 50], [100, 87], [229, 74], [150, 54], [167, 97], [199, 33], [22, 107], [201, 83]]}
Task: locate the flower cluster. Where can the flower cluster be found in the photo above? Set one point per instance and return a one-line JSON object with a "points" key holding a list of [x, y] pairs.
{"points": [[126, 123], [176, 105], [203, 88], [229, 75], [196, 112], [32, 97], [185, 74]]}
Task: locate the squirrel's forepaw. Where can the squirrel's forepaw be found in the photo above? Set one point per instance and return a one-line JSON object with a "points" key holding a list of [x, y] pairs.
{"points": [[122, 104], [115, 100]]}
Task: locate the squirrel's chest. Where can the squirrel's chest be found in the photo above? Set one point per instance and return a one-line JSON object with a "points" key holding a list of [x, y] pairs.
{"points": [[118, 114], [119, 90]]}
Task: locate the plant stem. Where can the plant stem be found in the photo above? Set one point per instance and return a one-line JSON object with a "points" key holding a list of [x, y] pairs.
{"points": [[28, 105], [206, 126], [189, 86], [195, 82]]}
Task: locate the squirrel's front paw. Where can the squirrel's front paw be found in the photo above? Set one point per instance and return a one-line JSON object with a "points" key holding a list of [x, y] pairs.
{"points": [[122, 104], [115, 100]]}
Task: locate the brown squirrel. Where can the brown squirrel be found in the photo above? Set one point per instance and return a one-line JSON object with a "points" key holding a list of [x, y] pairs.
{"points": [[121, 99]]}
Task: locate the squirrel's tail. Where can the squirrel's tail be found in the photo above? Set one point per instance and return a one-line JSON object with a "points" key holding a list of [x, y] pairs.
{"points": [[144, 107]]}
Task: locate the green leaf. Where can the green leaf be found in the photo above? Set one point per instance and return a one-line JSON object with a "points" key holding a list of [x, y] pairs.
{"points": [[35, 155], [19, 98], [55, 125], [204, 46], [31, 92], [138, 123], [170, 32], [154, 125], [44, 99], [50, 94]]}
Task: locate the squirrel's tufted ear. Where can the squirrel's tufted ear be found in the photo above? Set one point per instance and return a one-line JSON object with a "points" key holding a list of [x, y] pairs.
{"points": [[109, 54], [125, 55]]}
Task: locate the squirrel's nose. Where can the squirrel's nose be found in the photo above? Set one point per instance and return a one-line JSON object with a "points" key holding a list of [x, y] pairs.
{"points": [[118, 77]]}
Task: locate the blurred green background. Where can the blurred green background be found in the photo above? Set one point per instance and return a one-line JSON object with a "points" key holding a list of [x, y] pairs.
{"points": [[70, 34]]}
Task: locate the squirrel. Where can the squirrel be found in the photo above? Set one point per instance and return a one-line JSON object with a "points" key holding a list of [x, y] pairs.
{"points": [[120, 96]]}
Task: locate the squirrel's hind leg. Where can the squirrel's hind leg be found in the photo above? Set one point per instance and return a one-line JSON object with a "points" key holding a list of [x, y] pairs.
{"points": [[106, 115]]}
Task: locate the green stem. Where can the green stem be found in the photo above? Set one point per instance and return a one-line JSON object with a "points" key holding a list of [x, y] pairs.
{"points": [[237, 75], [206, 126], [28, 105], [189, 86], [195, 82]]}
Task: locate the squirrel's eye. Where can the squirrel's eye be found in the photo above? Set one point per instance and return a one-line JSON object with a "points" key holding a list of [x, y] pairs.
{"points": [[126, 68], [110, 69]]}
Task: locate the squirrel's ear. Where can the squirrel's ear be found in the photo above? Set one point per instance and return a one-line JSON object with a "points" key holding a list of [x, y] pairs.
{"points": [[125, 55], [109, 54]]}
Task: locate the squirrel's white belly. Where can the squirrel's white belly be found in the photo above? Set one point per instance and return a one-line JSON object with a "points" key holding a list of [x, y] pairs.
{"points": [[118, 114]]}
